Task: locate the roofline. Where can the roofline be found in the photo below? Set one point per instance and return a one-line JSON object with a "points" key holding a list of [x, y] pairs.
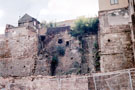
{"points": [[100, 11]]}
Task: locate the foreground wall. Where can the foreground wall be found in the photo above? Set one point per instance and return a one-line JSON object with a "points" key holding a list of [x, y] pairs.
{"points": [[43, 83], [120, 80]]}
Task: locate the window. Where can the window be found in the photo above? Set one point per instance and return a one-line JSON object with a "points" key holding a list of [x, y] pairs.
{"points": [[60, 41], [109, 40], [42, 38], [114, 2], [67, 43]]}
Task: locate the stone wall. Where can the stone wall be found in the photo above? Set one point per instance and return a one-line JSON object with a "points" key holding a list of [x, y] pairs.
{"points": [[71, 62], [43, 83], [115, 41], [23, 53], [90, 51], [120, 80], [3, 47], [20, 49], [68, 63]]}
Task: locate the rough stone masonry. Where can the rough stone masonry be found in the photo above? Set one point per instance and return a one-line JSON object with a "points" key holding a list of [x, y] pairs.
{"points": [[99, 81], [115, 40], [24, 52], [17, 53]]}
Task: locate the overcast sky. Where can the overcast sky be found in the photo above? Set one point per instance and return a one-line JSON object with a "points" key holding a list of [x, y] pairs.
{"points": [[49, 10]]}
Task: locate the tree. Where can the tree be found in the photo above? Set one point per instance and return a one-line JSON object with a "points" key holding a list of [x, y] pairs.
{"points": [[85, 26]]}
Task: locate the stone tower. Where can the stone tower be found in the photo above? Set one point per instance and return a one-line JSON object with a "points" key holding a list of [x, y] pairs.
{"points": [[115, 35]]}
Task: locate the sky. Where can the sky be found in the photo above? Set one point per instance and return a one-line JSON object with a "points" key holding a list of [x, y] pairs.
{"points": [[45, 10]]}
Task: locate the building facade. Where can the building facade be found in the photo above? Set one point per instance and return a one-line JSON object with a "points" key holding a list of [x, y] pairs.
{"points": [[112, 4], [116, 44]]}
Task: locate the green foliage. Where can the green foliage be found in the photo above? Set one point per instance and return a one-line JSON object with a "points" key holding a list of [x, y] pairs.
{"points": [[81, 50], [96, 45], [83, 58], [51, 25], [48, 25], [44, 24], [96, 56], [55, 58], [85, 26], [54, 64], [61, 51]]}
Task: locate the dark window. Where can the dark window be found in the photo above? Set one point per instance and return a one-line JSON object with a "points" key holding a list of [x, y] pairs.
{"points": [[114, 2], [109, 40], [67, 43], [60, 41], [42, 38], [46, 56]]}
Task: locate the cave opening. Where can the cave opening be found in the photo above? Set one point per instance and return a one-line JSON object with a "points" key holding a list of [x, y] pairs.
{"points": [[54, 64], [53, 67], [42, 38]]}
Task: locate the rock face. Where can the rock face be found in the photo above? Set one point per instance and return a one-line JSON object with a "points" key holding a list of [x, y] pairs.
{"points": [[54, 39], [115, 40], [88, 54], [71, 60]]}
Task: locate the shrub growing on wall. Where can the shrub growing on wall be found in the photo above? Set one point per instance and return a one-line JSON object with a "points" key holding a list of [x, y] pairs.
{"points": [[85, 26], [54, 58], [54, 64], [96, 56], [61, 51]]}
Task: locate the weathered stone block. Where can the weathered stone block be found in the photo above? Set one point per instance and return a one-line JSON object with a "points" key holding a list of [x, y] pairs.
{"points": [[16, 67]]}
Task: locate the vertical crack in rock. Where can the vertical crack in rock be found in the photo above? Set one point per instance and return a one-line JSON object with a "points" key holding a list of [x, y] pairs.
{"points": [[35, 65]]}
